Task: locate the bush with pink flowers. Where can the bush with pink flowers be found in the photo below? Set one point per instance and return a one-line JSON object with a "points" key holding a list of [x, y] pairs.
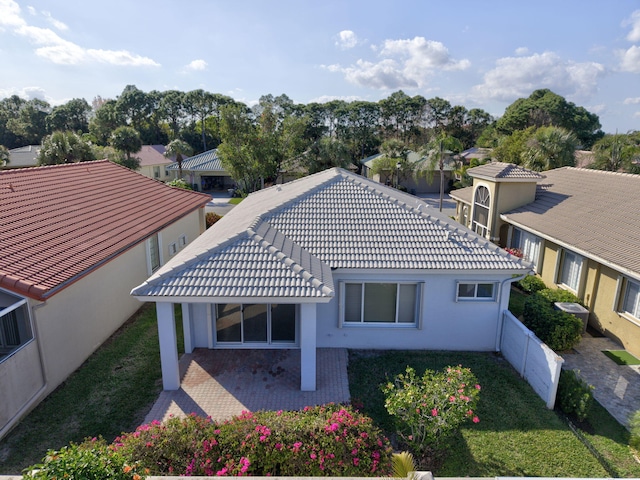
{"points": [[430, 408], [330, 440]]}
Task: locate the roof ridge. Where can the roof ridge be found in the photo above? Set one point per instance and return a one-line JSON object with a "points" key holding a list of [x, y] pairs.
{"points": [[600, 172], [57, 166]]}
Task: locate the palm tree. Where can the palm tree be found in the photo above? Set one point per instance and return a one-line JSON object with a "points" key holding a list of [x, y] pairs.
{"points": [[548, 148], [178, 148], [434, 152], [615, 153]]}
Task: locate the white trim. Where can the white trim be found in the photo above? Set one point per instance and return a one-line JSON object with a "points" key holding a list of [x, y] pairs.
{"points": [[187, 328], [396, 324], [475, 298]]}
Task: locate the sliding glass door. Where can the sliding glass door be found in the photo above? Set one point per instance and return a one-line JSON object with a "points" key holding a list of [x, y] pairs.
{"points": [[255, 324]]}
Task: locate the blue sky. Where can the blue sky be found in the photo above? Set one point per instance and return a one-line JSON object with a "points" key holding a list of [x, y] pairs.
{"points": [[477, 54]]}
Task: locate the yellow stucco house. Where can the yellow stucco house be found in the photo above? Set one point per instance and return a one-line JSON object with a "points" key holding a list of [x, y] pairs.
{"points": [[579, 227]]}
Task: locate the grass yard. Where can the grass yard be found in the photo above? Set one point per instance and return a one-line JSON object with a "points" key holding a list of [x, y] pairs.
{"points": [[517, 435], [235, 200], [111, 393]]}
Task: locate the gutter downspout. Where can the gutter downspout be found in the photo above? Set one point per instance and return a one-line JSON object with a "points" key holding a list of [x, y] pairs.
{"points": [[501, 313]]}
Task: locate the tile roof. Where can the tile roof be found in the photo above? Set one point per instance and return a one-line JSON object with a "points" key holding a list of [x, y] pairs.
{"points": [[465, 195], [412, 157], [339, 220], [23, 156], [60, 222], [203, 162], [590, 211], [504, 171], [152, 155]]}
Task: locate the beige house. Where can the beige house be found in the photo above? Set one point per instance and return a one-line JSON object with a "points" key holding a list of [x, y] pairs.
{"points": [[580, 228], [153, 163], [22, 157], [76, 239]]}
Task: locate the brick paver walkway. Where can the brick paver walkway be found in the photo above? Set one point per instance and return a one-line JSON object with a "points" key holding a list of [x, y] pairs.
{"points": [[617, 387], [223, 383]]}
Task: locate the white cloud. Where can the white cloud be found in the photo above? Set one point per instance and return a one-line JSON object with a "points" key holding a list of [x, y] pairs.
{"points": [[522, 51], [347, 39], [634, 21], [630, 60], [514, 78], [196, 65], [632, 101], [28, 93], [54, 48], [32, 10], [404, 64], [56, 23], [329, 98]]}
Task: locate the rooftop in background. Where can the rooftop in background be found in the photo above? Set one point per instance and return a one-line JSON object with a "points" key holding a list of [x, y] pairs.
{"points": [[22, 157], [60, 222], [153, 155], [504, 171], [207, 161], [597, 213], [412, 157]]}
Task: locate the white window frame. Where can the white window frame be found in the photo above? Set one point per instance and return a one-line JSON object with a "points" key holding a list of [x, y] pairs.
{"points": [[417, 309], [475, 297], [173, 249], [270, 342], [149, 244], [182, 241], [481, 199], [156, 172], [623, 309], [560, 270], [529, 244], [25, 333]]}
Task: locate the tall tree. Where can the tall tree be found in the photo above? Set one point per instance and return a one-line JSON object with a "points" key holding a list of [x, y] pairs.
{"points": [[4, 156], [127, 140], [435, 151], [393, 162], [65, 147], [616, 153], [71, 116], [104, 121], [328, 153], [548, 148], [179, 149]]}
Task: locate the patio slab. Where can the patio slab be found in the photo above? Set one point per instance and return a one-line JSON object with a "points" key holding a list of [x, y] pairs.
{"points": [[223, 383]]}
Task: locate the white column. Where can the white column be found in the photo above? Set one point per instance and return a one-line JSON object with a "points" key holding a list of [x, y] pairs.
{"points": [[186, 328], [308, 347], [168, 346]]}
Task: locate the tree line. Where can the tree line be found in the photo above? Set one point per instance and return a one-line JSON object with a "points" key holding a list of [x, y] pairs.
{"points": [[256, 143]]}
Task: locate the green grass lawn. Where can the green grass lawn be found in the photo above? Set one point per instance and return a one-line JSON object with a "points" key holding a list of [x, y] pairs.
{"points": [[111, 393], [517, 435], [235, 200]]}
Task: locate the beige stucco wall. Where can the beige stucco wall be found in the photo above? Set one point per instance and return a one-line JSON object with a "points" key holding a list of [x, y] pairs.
{"points": [[508, 196], [75, 321], [599, 291], [147, 171]]}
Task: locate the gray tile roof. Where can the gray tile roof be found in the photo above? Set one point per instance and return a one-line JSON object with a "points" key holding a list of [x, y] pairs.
{"points": [[415, 158], [504, 171], [203, 162], [595, 212], [465, 195], [333, 219]]}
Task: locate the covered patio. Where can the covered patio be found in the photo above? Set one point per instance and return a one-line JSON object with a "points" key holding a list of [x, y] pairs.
{"points": [[223, 383]]}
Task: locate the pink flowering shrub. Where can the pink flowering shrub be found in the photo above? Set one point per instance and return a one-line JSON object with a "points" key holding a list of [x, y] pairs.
{"points": [[429, 409], [330, 440]]}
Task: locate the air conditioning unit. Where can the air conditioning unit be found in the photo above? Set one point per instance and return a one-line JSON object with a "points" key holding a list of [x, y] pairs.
{"points": [[574, 309]]}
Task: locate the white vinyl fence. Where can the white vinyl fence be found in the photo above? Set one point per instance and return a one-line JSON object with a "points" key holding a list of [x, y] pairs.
{"points": [[537, 363]]}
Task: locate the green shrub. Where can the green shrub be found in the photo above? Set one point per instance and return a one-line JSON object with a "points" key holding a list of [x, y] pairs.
{"points": [[211, 218], [321, 441], [634, 427], [531, 284], [559, 330], [575, 396], [429, 409], [559, 295], [90, 460], [179, 183]]}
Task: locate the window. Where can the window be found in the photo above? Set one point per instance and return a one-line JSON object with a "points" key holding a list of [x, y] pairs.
{"points": [[156, 172], [15, 329], [182, 241], [570, 270], [380, 303], [464, 218], [528, 244], [173, 248], [153, 246], [481, 211], [485, 291], [255, 323], [631, 299]]}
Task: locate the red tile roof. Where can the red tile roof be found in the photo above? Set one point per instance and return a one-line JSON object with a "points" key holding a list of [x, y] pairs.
{"points": [[153, 155], [61, 222]]}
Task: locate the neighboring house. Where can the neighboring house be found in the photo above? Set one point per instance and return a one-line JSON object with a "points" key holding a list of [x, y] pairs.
{"points": [[153, 163], [22, 157], [417, 183], [75, 239], [205, 172], [475, 153], [579, 227], [332, 260]]}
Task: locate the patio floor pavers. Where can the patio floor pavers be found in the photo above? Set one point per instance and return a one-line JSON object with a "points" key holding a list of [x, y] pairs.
{"points": [[223, 383]]}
